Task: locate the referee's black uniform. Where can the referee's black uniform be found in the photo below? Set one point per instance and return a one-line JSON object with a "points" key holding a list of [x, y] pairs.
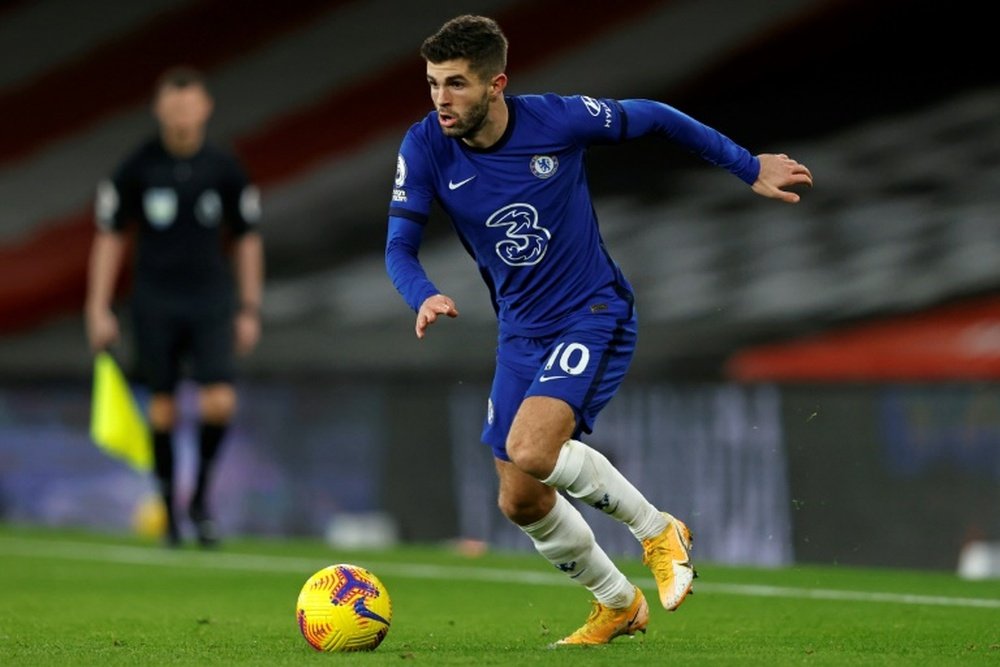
{"points": [[187, 210]]}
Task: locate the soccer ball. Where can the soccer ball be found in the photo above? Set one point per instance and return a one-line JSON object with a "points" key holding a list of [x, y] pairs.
{"points": [[344, 608]]}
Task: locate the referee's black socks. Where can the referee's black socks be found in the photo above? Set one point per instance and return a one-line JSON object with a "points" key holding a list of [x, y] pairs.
{"points": [[163, 468], [209, 441]]}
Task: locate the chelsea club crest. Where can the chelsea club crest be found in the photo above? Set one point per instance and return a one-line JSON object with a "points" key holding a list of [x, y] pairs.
{"points": [[544, 166]]}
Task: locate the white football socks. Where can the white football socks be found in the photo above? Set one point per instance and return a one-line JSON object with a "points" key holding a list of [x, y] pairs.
{"points": [[586, 474], [563, 537]]}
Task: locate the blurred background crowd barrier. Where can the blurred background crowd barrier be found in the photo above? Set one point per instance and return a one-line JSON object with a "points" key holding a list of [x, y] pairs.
{"points": [[889, 475]]}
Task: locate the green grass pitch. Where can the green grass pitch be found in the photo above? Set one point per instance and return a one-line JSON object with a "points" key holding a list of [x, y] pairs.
{"points": [[78, 598]]}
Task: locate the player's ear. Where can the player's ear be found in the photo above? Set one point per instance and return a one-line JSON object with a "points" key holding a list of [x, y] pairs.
{"points": [[498, 84]]}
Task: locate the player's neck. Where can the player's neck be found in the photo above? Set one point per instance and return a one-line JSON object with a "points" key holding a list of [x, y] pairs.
{"points": [[494, 127], [182, 144]]}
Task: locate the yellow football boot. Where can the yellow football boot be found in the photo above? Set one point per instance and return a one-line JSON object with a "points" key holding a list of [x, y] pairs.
{"points": [[604, 623], [667, 555]]}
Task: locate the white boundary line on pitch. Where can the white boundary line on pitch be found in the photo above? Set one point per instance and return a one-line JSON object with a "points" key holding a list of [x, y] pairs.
{"points": [[136, 555]]}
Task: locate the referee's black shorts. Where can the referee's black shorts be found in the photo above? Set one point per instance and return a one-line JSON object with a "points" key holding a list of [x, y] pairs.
{"points": [[176, 336]]}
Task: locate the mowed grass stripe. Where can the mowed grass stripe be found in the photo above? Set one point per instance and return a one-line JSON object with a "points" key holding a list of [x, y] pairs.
{"points": [[155, 556]]}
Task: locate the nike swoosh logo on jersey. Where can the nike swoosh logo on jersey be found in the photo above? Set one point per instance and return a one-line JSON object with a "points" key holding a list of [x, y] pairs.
{"points": [[455, 186], [546, 378]]}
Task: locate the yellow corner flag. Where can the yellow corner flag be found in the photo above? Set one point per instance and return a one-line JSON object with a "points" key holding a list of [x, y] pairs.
{"points": [[116, 423]]}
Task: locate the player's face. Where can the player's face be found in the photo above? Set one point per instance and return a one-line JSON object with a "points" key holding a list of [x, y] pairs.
{"points": [[183, 110], [462, 100]]}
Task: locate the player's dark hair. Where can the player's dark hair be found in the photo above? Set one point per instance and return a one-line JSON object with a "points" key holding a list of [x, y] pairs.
{"points": [[477, 39], [180, 76]]}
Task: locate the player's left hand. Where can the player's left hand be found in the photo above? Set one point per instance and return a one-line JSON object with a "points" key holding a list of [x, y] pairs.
{"points": [[247, 332], [777, 172]]}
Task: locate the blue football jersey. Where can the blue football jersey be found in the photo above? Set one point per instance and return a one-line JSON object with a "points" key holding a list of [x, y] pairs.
{"points": [[522, 207]]}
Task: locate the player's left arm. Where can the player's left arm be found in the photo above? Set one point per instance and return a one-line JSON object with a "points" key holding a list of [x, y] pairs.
{"points": [[778, 172], [249, 266], [768, 174]]}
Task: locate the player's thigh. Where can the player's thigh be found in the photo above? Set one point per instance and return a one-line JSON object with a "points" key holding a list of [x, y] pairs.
{"points": [[517, 363], [541, 426]]}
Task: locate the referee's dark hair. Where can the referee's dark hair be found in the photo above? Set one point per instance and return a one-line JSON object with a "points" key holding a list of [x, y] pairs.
{"points": [[180, 76]]}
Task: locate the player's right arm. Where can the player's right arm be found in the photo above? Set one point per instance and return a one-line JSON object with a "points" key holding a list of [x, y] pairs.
{"points": [[412, 195], [105, 262], [106, 255], [408, 276]]}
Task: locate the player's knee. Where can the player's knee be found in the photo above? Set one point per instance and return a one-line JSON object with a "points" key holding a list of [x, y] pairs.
{"points": [[217, 403], [162, 412], [531, 456], [523, 510]]}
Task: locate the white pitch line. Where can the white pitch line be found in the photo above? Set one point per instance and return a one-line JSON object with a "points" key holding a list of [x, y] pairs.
{"points": [[156, 556], [854, 596]]}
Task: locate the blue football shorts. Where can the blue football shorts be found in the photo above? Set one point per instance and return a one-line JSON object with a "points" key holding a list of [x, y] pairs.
{"points": [[583, 365]]}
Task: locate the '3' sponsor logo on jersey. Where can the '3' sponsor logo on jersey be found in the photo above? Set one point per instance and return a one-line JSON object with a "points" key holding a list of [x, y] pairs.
{"points": [[526, 240]]}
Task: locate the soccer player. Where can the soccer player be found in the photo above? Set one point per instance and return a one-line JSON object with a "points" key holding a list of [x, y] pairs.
{"points": [[508, 171], [198, 275]]}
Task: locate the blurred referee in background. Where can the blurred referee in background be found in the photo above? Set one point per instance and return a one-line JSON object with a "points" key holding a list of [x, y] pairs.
{"points": [[198, 275]]}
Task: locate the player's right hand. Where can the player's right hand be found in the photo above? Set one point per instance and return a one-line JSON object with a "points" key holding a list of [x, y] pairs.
{"points": [[439, 304], [102, 329]]}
